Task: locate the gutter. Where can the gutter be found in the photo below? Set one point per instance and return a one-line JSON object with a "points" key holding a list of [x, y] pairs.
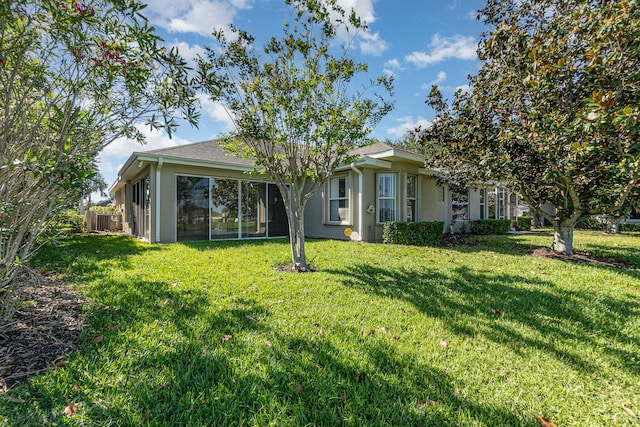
{"points": [[156, 214], [359, 172]]}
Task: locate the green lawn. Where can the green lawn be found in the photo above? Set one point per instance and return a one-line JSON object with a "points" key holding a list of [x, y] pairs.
{"points": [[210, 334]]}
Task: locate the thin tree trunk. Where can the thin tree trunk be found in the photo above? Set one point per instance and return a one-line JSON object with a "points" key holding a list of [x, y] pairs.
{"points": [[563, 238]]}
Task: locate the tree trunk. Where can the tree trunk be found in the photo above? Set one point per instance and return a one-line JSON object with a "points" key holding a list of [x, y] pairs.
{"points": [[294, 206], [535, 220], [613, 225], [563, 238]]}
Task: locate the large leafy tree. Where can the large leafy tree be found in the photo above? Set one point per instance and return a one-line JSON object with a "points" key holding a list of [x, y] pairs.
{"points": [[293, 103], [73, 77], [553, 111]]}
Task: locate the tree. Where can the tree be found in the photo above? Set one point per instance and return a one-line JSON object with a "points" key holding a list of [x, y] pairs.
{"points": [[90, 185], [292, 106], [553, 111], [73, 77]]}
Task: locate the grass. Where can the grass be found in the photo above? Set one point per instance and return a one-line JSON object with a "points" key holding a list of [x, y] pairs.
{"points": [[210, 334]]}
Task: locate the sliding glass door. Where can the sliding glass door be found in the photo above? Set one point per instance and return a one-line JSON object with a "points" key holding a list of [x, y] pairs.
{"points": [[192, 217], [219, 208]]}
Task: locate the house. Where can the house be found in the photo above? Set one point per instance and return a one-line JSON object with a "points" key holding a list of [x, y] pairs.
{"points": [[200, 192]]}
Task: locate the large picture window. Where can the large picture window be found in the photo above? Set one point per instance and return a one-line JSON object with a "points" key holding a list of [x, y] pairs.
{"points": [[253, 217], [224, 208], [482, 203], [192, 216], [220, 208], [339, 200], [460, 206], [412, 198], [386, 197]]}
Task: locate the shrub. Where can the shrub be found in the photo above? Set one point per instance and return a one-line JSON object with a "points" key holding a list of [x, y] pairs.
{"points": [[413, 233], [490, 226], [629, 227], [103, 209], [591, 222], [523, 223], [70, 221]]}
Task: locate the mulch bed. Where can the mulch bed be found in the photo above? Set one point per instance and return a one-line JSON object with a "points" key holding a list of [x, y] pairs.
{"points": [[43, 330], [582, 257]]}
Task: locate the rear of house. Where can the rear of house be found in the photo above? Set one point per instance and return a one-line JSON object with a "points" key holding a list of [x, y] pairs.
{"points": [[200, 192]]}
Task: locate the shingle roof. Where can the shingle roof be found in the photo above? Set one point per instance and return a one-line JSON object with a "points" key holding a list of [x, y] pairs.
{"points": [[212, 151], [205, 150]]}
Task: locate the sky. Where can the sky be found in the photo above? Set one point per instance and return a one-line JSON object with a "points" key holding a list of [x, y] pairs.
{"points": [[419, 42]]}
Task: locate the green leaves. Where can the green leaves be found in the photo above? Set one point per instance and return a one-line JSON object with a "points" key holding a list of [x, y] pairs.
{"points": [[552, 109], [291, 102]]}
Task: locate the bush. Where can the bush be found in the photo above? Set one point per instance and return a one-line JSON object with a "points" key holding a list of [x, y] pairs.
{"points": [[629, 227], [103, 209], [70, 221], [591, 222], [413, 233], [523, 223], [490, 226]]}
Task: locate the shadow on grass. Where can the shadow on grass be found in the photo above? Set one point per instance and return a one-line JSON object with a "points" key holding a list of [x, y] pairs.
{"points": [[85, 255], [223, 244], [513, 245], [486, 304], [227, 366]]}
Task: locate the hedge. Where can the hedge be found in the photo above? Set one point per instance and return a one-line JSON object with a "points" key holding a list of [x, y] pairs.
{"points": [[629, 227], [524, 223], [413, 233], [490, 226]]}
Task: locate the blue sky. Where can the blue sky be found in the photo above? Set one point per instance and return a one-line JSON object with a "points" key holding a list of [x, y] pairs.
{"points": [[420, 42]]}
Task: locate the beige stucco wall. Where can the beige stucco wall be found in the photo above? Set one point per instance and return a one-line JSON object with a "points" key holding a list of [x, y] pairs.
{"points": [[429, 208]]}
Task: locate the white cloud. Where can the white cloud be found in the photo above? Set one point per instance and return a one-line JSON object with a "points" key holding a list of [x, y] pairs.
{"points": [[442, 76], [408, 123], [189, 52], [363, 8], [391, 66], [443, 48], [217, 112], [372, 44], [195, 16], [113, 156]]}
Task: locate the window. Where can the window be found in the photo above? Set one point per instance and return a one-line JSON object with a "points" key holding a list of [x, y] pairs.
{"points": [[482, 201], [192, 208], [386, 197], [253, 213], [460, 206], [224, 208], [219, 208], [412, 198], [441, 194], [339, 200], [492, 203]]}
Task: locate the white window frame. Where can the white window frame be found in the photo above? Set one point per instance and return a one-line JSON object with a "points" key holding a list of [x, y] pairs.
{"points": [[441, 196], [331, 197], [482, 202], [414, 198], [392, 196], [456, 202]]}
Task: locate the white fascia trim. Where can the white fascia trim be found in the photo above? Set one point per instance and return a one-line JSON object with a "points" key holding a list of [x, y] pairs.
{"points": [[366, 162], [193, 162], [397, 153]]}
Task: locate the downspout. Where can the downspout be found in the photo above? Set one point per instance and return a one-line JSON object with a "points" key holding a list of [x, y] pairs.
{"points": [[359, 172], [156, 214]]}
